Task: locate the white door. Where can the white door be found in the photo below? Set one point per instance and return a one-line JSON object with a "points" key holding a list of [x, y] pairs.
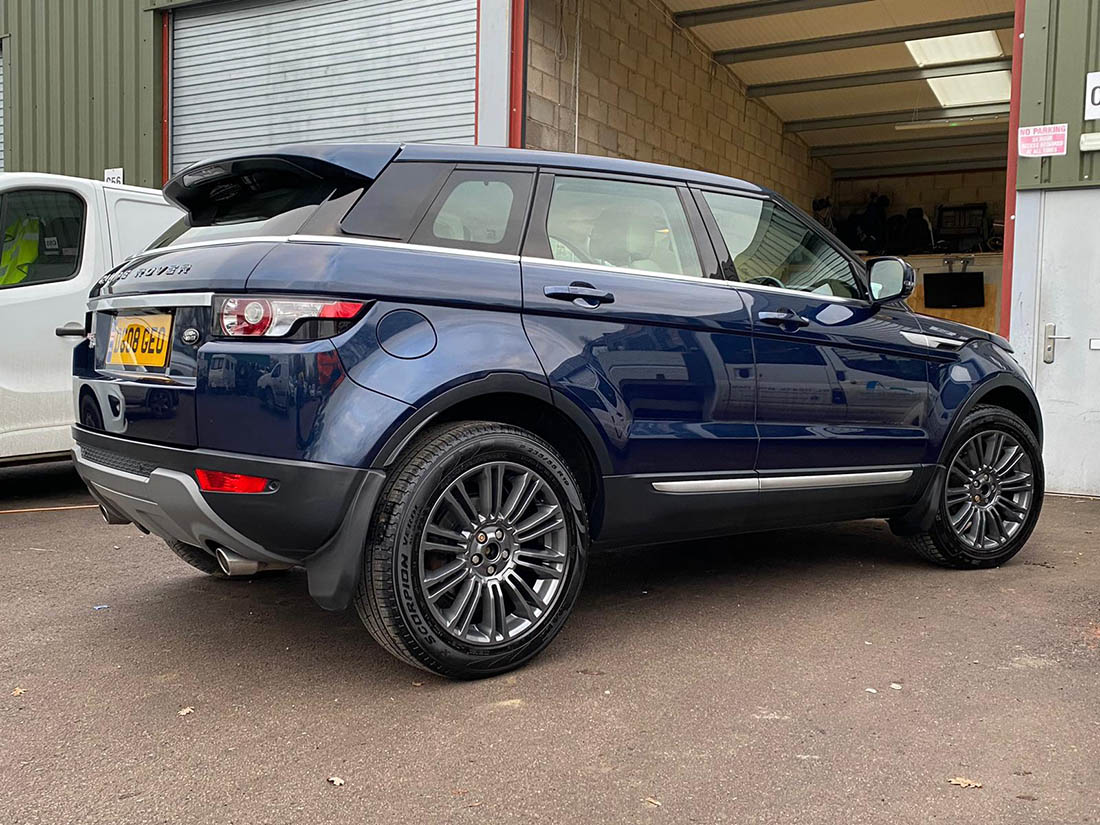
{"points": [[49, 259], [1067, 369]]}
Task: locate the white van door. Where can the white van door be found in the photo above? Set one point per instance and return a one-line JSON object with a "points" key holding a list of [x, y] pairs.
{"points": [[136, 218], [50, 256]]}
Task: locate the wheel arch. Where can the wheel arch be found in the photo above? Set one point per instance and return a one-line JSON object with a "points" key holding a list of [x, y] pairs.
{"points": [[1007, 392], [522, 402]]}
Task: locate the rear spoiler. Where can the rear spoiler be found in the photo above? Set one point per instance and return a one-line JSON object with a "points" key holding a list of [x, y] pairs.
{"points": [[220, 179]]}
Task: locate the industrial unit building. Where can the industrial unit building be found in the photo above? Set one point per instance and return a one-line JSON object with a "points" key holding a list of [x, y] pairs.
{"points": [[891, 119]]}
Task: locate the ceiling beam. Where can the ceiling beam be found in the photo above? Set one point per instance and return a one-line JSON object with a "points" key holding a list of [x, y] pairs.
{"points": [[877, 37], [948, 113], [848, 81], [750, 10], [949, 142], [960, 165]]}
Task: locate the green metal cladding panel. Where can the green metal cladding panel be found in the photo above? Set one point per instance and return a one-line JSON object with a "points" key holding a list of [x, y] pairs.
{"points": [[82, 82], [1061, 44]]}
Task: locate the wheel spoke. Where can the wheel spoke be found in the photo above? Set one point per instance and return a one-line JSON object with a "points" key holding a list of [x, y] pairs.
{"points": [[492, 616], [1019, 483], [463, 508], [540, 570], [963, 517], [957, 495], [534, 521], [994, 443], [979, 537], [485, 492], [455, 578], [519, 602], [1009, 462], [1012, 511], [435, 530], [519, 485], [461, 605]]}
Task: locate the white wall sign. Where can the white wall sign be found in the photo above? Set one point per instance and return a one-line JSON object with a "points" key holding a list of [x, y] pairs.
{"points": [[1092, 96], [112, 175], [1043, 141]]}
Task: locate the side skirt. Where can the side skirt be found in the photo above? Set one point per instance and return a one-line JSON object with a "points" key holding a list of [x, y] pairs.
{"points": [[660, 508]]}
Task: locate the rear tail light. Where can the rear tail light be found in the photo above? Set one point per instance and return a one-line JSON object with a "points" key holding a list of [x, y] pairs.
{"points": [[301, 318], [215, 481]]}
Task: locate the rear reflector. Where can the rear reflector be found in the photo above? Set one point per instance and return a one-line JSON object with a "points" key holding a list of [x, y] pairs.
{"points": [[213, 481]]}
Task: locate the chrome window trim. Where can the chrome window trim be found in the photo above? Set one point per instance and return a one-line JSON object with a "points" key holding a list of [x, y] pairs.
{"points": [[212, 242], [343, 240], [800, 482], [151, 300]]}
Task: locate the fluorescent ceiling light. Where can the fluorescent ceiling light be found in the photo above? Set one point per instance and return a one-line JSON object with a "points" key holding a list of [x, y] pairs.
{"points": [[949, 124], [971, 89], [955, 48]]}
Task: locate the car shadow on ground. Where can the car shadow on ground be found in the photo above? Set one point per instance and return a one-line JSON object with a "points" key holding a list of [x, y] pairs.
{"points": [[49, 484], [255, 623]]}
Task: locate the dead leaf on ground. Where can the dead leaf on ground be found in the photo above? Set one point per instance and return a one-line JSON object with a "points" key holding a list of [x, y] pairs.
{"points": [[187, 711], [508, 703], [1027, 797], [18, 691], [590, 672], [655, 803], [335, 780], [963, 782], [473, 805], [418, 684]]}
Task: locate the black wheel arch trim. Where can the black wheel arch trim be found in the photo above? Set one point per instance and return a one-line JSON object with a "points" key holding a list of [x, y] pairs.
{"points": [[977, 397], [510, 383]]}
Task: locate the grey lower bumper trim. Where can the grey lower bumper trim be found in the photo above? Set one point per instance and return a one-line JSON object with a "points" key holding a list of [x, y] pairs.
{"points": [[167, 503]]}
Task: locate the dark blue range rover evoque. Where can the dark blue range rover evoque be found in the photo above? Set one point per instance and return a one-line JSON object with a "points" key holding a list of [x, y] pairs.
{"points": [[434, 376]]}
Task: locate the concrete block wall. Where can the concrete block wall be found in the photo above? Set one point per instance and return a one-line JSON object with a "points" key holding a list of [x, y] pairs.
{"points": [[649, 91], [927, 191]]}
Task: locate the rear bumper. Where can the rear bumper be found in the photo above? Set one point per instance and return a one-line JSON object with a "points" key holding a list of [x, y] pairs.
{"points": [[318, 517]]}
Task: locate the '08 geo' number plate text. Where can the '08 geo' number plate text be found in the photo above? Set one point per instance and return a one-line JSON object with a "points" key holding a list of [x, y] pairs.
{"points": [[139, 340]]}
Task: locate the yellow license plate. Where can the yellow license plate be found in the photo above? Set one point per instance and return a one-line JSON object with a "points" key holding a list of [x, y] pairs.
{"points": [[140, 340]]}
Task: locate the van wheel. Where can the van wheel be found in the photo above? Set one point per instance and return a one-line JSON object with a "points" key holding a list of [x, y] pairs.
{"points": [[992, 496], [196, 557], [476, 553]]}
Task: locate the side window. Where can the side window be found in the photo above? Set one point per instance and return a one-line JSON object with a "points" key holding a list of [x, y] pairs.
{"points": [[393, 205], [43, 236], [621, 224], [770, 246], [479, 210]]}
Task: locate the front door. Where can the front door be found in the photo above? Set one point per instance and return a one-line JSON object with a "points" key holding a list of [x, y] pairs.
{"points": [[630, 329], [841, 388], [45, 269]]}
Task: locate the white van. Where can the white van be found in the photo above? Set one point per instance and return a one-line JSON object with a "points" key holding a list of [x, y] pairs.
{"points": [[59, 235]]}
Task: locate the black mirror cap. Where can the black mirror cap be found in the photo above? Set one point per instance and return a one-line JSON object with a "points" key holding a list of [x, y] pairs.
{"points": [[908, 280]]}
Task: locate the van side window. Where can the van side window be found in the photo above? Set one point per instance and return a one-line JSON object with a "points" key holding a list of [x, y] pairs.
{"points": [[43, 236], [621, 224], [482, 210], [772, 247]]}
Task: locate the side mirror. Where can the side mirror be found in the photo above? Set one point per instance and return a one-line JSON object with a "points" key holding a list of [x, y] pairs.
{"points": [[892, 279]]}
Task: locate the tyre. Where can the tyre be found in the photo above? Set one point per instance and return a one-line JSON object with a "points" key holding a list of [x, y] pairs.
{"points": [[197, 557], [476, 552], [992, 496]]}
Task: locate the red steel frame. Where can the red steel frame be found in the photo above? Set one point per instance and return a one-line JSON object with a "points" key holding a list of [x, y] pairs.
{"points": [[165, 93], [1013, 157], [517, 84]]}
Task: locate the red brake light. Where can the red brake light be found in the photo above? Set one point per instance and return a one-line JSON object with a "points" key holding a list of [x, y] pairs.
{"points": [[246, 316], [214, 481], [341, 309]]}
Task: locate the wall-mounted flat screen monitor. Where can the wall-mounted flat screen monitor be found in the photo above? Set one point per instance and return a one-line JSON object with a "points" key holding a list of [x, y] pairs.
{"points": [[954, 290]]}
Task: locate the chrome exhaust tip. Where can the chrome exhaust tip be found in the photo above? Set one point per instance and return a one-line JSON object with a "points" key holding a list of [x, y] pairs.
{"points": [[233, 564], [112, 518]]}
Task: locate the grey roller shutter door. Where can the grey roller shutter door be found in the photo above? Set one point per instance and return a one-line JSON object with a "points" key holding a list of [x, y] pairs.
{"points": [[248, 74]]}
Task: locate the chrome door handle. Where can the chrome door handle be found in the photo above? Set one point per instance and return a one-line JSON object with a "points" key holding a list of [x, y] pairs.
{"points": [[782, 318], [579, 293], [1048, 342]]}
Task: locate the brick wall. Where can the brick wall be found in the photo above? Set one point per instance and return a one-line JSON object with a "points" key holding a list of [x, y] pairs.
{"points": [[649, 91], [927, 191]]}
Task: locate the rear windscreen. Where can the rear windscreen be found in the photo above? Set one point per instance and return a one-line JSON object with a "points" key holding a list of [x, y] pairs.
{"points": [[250, 197]]}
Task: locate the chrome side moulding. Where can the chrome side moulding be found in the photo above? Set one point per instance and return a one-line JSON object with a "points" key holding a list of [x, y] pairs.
{"points": [[802, 482]]}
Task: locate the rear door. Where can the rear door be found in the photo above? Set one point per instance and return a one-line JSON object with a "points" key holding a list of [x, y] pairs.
{"points": [[842, 383], [629, 327]]}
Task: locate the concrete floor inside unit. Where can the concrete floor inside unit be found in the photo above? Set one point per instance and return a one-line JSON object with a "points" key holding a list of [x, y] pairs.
{"points": [[728, 681]]}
